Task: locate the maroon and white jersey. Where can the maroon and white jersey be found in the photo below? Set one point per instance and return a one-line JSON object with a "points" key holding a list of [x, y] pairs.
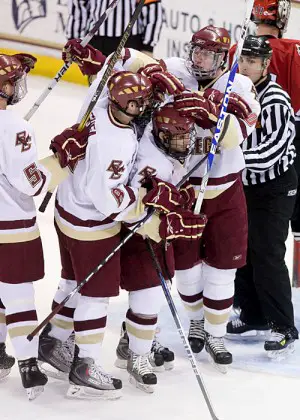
{"points": [[21, 178], [92, 200], [228, 162]]}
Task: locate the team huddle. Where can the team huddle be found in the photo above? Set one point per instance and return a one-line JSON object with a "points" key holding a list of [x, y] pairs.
{"points": [[152, 124]]}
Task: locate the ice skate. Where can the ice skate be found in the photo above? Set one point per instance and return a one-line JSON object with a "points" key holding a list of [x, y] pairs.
{"points": [[6, 362], [55, 356], [89, 381], [281, 343], [167, 354], [33, 379], [218, 354], [238, 330], [196, 335], [141, 372], [156, 360]]}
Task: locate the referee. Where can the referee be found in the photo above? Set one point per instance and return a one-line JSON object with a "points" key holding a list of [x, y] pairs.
{"points": [[270, 185], [83, 14]]}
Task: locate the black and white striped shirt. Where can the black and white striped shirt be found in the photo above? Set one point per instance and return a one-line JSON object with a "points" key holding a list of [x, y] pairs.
{"points": [[83, 14], [269, 151]]}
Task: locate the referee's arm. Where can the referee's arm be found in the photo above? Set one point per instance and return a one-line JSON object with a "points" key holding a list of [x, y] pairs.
{"points": [[276, 122], [151, 21]]}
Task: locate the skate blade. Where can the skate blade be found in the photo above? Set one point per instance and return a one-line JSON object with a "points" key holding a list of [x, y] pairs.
{"points": [[169, 365], [34, 392], [220, 368], [253, 335], [87, 393], [279, 355], [149, 389], [121, 363], [4, 373]]}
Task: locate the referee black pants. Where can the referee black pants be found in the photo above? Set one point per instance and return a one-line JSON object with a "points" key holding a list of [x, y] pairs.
{"points": [[263, 289], [108, 45]]}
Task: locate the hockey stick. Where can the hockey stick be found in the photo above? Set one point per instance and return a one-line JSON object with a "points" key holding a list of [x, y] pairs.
{"points": [[115, 57], [180, 330], [222, 115], [105, 260], [66, 66]]}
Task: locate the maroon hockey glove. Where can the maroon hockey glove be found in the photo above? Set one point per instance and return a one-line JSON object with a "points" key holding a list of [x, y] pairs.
{"points": [[149, 69], [89, 60], [162, 196], [27, 60], [195, 105], [187, 195], [166, 83], [184, 225], [70, 146], [236, 104]]}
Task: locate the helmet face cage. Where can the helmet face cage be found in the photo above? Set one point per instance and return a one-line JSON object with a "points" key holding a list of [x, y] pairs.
{"points": [[20, 90], [272, 12], [173, 134], [198, 72]]}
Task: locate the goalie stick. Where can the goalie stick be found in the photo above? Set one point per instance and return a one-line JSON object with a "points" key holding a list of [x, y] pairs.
{"points": [[222, 116], [115, 57], [66, 66]]}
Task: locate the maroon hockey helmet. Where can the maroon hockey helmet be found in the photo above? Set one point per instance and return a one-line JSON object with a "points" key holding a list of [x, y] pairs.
{"points": [[11, 71], [125, 86], [178, 132], [213, 40], [272, 12]]}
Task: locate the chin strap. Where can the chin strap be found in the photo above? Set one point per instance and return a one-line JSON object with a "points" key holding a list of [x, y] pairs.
{"points": [[4, 96]]}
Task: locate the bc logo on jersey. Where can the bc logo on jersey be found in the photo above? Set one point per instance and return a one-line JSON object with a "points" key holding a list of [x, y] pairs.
{"points": [[145, 173], [24, 140], [117, 168]]}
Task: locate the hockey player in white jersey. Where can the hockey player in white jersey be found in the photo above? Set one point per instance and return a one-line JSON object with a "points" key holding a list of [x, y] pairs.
{"points": [[205, 274], [22, 176], [161, 155]]}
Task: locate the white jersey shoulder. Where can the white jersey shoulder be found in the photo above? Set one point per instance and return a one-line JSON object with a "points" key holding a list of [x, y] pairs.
{"points": [[176, 66]]}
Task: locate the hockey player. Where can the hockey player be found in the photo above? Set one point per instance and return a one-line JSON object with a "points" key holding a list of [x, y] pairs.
{"points": [[6, 361], [89, 208], [22, 176], [162, 152], [205, 275], [269, 181], [271, 18]]}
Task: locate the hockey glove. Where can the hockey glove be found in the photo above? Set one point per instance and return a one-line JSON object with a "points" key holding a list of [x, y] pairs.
{"points": [[236, 104], [188, 197], [194, 105], [89, 60], [162, 196], [27, 61], [184, 225], [70, 146]]}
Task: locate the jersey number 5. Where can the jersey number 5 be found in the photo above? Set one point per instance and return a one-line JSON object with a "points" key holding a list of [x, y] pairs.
{"points": [[32, 174]]}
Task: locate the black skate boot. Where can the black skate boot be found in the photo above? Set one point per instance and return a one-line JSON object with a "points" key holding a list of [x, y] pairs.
{"points": [[56, 356], [33, 379], [6, 362], [196, 335], [141, 372], [122, 351], [219, 355], [167, 354], [89, 381], [238, 330], [281, 342]]}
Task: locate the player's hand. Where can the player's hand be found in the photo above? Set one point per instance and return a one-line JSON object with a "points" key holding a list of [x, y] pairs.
{"points": [[70, 146], [151, 68], [184, 225], [188, 197], [162, 196], [27, 61], [89, 60], [236, 104], [204, 111]]}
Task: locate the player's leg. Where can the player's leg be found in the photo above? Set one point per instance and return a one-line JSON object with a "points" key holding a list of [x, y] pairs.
{"points": [[6, 361], [21, 265]]}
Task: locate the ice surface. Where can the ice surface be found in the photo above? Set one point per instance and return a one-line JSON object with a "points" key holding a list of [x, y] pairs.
{"points": [[254, 388]]}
